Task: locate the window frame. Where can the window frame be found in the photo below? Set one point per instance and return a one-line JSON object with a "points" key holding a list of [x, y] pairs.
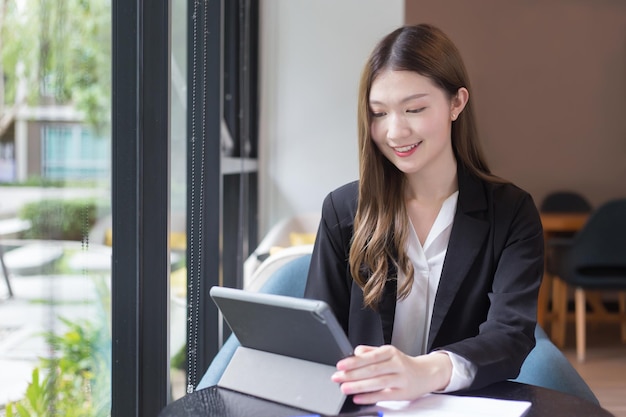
{"points": [[140, 209], [141, 188]]}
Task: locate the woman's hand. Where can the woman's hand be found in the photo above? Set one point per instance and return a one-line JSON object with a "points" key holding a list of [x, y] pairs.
{"points": [[384, 373]]}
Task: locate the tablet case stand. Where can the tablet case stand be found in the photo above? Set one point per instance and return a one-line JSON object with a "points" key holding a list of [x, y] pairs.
{"points": [[283, 379]]}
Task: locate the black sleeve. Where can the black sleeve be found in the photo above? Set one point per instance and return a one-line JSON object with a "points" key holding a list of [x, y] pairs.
{"points": [[329, 279]]}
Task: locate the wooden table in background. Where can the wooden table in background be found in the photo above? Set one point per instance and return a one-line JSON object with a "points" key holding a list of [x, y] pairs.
{"points": [[552, 288], [562, 222]]}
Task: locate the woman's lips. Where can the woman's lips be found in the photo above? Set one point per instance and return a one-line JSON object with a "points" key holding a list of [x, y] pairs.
{"points": [[403, 151]]}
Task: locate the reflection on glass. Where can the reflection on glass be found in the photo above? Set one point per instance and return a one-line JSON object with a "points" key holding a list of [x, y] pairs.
{"points": [[178, 236], [55, 224]]}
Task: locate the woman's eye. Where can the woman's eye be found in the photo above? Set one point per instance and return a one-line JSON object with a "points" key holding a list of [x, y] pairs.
{"points": [[416, 110], [378, 114]]}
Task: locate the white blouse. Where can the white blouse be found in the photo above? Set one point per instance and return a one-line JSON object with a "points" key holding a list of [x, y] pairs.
{"points": [[413, 313]]}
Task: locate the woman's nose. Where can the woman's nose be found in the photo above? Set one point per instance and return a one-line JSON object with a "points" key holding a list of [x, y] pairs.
{"points": [[398, 127]]}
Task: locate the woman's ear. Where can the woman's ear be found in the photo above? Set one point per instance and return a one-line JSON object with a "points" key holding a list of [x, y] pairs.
{"points": [[458, 102]]}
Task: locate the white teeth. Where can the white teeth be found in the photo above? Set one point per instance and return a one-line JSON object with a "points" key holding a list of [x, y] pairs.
{"points": [[403, 149]]}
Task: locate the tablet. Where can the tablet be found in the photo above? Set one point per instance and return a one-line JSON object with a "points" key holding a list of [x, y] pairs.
{"points": [[291, 326]]}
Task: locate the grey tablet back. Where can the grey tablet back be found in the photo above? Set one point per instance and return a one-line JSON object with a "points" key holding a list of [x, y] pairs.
{"points": [[290, 326]]}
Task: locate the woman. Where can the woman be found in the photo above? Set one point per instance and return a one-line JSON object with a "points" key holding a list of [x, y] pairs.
{"points": [[431, 264]]}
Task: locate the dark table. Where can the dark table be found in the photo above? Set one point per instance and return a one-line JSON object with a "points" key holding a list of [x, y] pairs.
{"points": [[220, 402]]}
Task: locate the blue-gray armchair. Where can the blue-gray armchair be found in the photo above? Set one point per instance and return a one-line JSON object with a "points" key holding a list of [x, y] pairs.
{"points": [[545, 366]]}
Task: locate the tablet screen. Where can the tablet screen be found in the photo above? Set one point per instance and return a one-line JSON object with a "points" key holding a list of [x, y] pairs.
{"points": [[291, 326]]}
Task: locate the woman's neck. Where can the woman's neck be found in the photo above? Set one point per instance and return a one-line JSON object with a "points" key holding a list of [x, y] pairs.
{"points": [[434, 185]]}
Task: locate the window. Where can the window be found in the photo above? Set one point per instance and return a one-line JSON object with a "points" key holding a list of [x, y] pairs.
{"points": [[55, 275], [74, 152]]}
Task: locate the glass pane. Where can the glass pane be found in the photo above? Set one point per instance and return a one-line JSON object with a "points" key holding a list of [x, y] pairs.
{"points": [[74, 152], [55, 202], [178, 237]]}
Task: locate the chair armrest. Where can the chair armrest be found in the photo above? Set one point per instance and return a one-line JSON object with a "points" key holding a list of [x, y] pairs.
{"points": [[219, 363], [547, 367]]}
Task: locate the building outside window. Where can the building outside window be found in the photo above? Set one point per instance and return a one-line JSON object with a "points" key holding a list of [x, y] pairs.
{"points": [[74, 152]]}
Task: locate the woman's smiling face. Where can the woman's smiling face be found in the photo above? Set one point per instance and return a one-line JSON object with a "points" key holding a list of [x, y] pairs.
{"points": [[411, 121]]}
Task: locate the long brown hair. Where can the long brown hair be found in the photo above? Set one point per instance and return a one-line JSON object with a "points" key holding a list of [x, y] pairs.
{"points": [[381, 223]]}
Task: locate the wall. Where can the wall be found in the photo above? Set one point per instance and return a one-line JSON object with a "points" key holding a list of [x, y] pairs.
{"points": [[549, 81], [311, 56]]}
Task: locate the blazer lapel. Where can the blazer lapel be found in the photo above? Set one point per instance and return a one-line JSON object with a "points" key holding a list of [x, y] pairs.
{"points": [[468, 233]]}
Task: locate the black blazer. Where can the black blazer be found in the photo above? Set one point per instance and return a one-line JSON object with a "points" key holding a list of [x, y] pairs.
{"points": [[486, 304]]}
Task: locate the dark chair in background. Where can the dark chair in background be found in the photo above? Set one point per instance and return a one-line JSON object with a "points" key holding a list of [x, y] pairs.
{"points": [[561, 202], [564, 208], [565, 202], [595, 259]]}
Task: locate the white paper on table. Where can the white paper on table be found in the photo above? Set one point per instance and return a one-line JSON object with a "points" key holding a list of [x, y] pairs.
{"points": [[445, 405]]}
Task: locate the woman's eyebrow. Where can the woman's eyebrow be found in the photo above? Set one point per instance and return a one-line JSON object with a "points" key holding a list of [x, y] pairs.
{"points": [[404, 100]]}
